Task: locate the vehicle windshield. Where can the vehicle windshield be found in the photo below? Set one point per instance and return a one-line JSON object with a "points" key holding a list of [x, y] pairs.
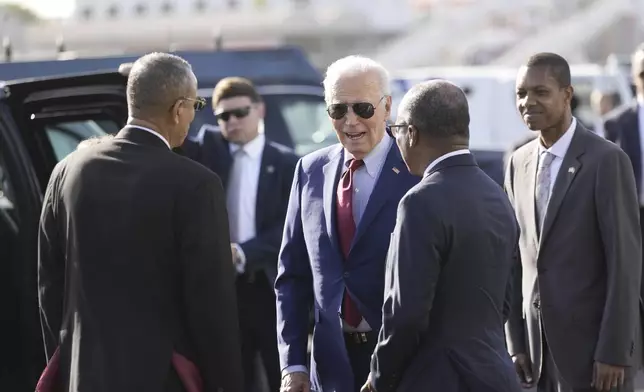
{"points": [[299, 121]]}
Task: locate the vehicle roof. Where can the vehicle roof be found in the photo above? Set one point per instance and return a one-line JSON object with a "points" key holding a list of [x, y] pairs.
{"points": [[286, 64]]}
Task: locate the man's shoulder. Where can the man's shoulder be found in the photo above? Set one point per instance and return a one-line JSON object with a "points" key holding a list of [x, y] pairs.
{"points": [[525, 151], [287, 153], [620, 113], [321, 157]]}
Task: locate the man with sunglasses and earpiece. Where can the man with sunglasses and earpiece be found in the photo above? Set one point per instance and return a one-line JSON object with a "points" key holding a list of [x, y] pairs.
{"points": [[257, 175], [341, 213]]}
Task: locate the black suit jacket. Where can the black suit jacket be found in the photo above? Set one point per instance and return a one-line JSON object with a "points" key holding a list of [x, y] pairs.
{"points": [[447, 283], [134, 263], [623, 129], [276, 176]]}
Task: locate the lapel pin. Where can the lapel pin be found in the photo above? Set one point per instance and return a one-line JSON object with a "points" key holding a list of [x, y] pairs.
{"points": [[395, 170], [571, 170], [270, 169]]}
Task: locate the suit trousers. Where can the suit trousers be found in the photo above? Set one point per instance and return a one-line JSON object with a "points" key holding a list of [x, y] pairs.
{"points": [[551, 380], [257, 321], [359, 353]]}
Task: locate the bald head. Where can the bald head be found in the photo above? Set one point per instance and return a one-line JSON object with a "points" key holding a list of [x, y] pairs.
{"points": [[156, 81], [438, 109]]}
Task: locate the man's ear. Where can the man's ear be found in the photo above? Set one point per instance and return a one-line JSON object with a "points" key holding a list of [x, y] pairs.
{"points": [[176, 111], [388, 106], [413, 136]]}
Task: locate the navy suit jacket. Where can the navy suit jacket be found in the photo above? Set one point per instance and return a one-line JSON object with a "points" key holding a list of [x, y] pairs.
{"points": [[448, 286], [623, 129], [312, 271], [276, 176]]}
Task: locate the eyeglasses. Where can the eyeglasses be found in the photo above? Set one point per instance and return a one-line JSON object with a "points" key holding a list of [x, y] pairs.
{"points": [[364, 110], [394, 130], [239, 113], [199, 103]]}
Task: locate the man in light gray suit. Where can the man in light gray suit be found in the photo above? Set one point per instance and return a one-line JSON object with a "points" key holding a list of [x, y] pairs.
{"points": [[575, 325]]}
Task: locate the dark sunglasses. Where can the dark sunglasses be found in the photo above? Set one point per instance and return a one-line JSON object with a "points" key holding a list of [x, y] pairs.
{"points": [[239, 113], [364, 110]]}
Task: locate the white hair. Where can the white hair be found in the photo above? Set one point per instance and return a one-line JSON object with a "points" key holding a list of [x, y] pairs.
{"points": [[352, 65]]}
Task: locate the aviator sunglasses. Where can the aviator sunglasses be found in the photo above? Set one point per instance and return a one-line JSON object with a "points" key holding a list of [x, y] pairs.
{"points": [[239, 113], [364, 110]]}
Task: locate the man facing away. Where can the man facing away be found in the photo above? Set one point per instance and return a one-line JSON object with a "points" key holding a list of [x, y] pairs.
{"points": [[575, 326], [135, 280], [257, 175], [341, 212], [449, 262]]}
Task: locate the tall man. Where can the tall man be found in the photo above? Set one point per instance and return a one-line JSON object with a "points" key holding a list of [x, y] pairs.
{"points": [[257, 175], [574, 197], [626, 128], [341, 212], [449, 261], [136, 284]]}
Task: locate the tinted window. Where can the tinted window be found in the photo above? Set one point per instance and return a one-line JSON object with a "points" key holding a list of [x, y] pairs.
{"points": [[295, 120], [65, 136]]}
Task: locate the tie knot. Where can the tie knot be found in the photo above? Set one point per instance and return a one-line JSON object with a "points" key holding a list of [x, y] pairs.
{"points": [[354, 164], [546, 158]]}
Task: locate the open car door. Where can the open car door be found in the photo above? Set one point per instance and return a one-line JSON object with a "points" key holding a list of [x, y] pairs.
{"points": [[41, 121]]}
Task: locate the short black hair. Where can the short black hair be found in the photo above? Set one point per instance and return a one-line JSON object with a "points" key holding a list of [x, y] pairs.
{"points": [[232, 87], [557, 65], [156, 81], [438, 109]]}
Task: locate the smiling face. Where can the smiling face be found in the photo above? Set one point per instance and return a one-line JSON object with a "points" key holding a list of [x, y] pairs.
{"points": [[357, 134], [541, 101]]}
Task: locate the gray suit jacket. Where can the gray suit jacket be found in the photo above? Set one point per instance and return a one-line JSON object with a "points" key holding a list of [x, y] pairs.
{"points": [[581, 279], [450, 259]]}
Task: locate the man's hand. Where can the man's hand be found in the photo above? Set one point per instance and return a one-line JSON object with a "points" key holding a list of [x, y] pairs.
{"points": [[523, 368], [295, 382], [367, 385], [233, 248], [606, 377]]}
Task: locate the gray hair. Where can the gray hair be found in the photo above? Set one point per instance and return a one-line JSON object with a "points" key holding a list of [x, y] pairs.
{"points": [[156, 80], [438, 109], [352, 65]]}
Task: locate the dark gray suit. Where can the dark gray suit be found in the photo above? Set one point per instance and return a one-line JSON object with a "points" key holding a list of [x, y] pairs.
{"points": [[581, 277], [449, 261]]}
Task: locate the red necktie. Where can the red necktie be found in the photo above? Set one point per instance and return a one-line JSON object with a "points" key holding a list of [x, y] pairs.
{"points": [[346, 232]]}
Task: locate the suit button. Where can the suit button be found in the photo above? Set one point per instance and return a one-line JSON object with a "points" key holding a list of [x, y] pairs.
{"points": [[346, 275]]}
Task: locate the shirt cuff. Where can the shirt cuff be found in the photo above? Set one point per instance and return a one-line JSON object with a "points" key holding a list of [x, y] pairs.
{"points": [[295, 369], [241, 264]]}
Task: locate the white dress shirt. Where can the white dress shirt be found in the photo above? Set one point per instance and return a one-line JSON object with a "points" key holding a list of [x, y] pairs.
{"points": [[559, 150], [155, 133], [444, 157], [244, 199]]}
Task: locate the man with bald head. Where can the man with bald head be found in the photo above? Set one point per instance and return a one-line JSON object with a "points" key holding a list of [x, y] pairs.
{"points": [[449, 262], [341, 212], [136, 287]]}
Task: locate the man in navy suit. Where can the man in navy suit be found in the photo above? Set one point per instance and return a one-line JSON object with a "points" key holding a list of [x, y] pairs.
{"points": [[257, 175], [341, 212], [450, 259]]}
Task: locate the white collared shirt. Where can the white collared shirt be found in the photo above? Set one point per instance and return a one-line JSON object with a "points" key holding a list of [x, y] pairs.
{"points": [[365, 177], [444, 157], [364, 180], [559, 150], [155, 133], [246, 197]]}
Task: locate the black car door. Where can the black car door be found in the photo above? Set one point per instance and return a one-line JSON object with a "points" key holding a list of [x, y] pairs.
{"points": [[41, 121]]}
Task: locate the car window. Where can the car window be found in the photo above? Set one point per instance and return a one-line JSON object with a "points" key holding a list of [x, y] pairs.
{"points": [[8, 213], [65, 136]]}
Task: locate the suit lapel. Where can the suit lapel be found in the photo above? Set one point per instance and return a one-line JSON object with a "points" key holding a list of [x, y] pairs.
{"points": [[529, 175], [382, 191], [569, 169], [267, 175], [331, 172], [630, 142]]}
